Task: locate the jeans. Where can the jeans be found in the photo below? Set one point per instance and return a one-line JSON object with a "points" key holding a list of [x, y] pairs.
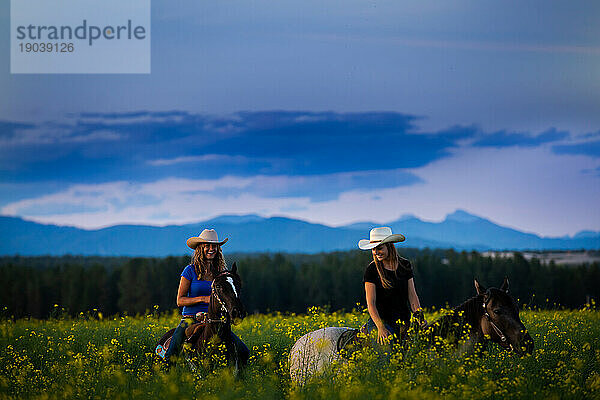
{"points": [[177, 338], [241, 349], [175, 347]]}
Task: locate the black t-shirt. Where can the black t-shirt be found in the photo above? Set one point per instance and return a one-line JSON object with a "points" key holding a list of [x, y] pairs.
{"points": [[392, 304]]}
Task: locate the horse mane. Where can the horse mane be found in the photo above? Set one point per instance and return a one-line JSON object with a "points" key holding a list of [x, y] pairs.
{"points": [[467, 312], [469, 306], [224, 273], [471, 309]]}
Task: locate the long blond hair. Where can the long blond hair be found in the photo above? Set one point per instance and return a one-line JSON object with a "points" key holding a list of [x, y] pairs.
{"points": [[392, 255], [205, 267]]}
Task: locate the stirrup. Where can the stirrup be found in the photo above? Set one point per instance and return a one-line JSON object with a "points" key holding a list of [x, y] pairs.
{"points": [[160, 351]]}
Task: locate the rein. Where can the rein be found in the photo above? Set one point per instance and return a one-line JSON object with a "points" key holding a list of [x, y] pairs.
{"points": [[213, 321]]}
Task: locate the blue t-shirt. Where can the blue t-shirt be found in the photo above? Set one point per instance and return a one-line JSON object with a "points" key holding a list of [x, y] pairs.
{"points": [[197, 288]]}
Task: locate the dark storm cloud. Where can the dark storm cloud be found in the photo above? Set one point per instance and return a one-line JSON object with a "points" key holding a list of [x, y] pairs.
{"points": [[321, 143], [145, 146], [591, 149]]}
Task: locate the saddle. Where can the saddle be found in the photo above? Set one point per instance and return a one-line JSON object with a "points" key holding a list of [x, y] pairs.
{"points": [[193, 331], [347, 338]]}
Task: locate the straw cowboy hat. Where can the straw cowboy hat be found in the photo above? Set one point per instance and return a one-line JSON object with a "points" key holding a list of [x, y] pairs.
{"points": [[207, 236], [379, 236]]}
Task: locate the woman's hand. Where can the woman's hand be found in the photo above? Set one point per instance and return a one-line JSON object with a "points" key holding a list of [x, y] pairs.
{"points": [[420, 318], [415, 304], [383, 335], [203, 299]]}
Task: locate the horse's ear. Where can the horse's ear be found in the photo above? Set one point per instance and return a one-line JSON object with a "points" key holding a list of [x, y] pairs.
{"points": [[504, 286], [234, 268], [480, 289]]}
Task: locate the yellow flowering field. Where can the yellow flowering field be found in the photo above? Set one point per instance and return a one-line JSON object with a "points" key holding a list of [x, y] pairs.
{"points": [[95, 357]]}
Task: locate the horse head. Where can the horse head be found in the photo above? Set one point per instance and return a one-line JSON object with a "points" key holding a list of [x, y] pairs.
{"points": [[501, 320], [226, 288]]}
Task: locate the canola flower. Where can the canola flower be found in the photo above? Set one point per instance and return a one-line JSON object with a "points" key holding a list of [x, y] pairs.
{"points": [[94, 356]]}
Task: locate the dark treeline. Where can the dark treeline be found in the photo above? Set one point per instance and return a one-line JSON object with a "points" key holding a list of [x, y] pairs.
{"points": [[278, 282]]}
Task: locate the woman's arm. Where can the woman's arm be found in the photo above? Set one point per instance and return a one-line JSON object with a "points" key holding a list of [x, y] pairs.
{"points": [[183, 300], [413, 299], [370, 292]]}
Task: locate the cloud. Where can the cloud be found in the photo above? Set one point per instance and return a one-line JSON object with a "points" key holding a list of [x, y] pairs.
{"points": [[502, 183], [510, 185], [84, 199], [130, 117], [50, 209], [321, 143], [177, 167], [529, 188], [591, 148], [169, 201], [506, 139], [96, 136], [197, 159], [9, 129], [98, 147], [591, 135], [121, 198], [51, 134], [319, 188], [592, 171]]}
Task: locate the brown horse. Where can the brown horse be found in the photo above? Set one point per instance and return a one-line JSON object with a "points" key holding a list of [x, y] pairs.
{"points": [[492, 315], [225, 307]]}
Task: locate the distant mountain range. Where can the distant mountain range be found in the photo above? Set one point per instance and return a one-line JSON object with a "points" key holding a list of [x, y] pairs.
{"points": [[252, 233]]}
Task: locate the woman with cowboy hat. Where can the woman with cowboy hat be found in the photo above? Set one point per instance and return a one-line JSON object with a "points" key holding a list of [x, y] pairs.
{"points": [[389, 286], [195, 287]]}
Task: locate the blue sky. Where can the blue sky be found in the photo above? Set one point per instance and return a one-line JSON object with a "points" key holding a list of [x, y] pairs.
{"points": [[330, 112]]}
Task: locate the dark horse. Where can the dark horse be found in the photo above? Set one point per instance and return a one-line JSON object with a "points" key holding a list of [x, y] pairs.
{"points": [[492, 315], [214, 327]]}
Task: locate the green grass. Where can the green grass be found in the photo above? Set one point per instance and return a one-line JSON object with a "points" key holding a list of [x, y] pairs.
{"points": [[99, 358]]}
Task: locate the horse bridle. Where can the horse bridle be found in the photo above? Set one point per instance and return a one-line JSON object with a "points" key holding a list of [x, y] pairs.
{"points": [[494, 326], [224, 309], [223, 306]]}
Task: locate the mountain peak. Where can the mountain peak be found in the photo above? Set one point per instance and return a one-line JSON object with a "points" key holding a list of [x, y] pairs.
{"points": [[462, 216], [405, 217], [586, 234]]}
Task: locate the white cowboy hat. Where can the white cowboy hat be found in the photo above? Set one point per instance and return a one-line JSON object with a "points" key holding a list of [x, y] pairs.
{"points": [[379, 236], [207, 236]]}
